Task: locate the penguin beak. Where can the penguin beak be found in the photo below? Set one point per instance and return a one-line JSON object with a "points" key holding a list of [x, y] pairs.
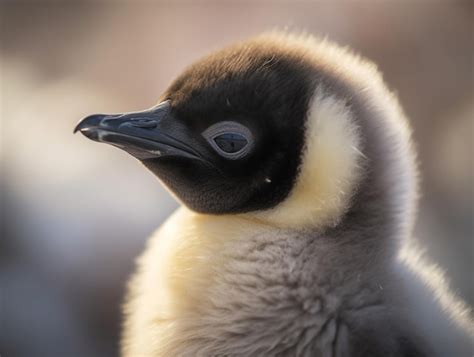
{"points": [[141, 134]]}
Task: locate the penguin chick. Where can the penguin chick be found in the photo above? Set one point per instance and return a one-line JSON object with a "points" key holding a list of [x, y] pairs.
{"points": [[297, 173]]}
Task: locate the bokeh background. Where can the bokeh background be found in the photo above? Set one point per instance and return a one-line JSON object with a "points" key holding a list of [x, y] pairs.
{"points": [[75, 214]]}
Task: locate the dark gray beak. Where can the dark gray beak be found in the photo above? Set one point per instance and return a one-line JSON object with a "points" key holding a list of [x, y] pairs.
{"points": [[147, 134]]}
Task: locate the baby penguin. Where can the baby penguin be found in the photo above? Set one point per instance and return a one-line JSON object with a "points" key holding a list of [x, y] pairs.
{"points": [[298, 180]]}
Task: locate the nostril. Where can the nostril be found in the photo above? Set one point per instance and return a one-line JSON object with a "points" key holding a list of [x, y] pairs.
{"points": [[144, 123]]}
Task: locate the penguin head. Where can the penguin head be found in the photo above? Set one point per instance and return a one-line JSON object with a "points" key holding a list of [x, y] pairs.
{"points": [[262, 128]]}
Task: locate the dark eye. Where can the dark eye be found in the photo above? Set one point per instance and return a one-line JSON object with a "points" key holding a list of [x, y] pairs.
{"points": [[230, 142], [230, 139]]}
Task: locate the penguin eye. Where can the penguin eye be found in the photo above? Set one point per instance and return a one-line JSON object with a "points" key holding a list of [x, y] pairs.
{"points": [[229, 139], [230, 142]]}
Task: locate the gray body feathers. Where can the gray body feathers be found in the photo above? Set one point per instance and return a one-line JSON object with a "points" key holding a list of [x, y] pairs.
{"points": [[299, 293]]}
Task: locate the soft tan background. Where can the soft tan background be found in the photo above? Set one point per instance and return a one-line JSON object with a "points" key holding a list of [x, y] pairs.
{"points": [[76, 213]]}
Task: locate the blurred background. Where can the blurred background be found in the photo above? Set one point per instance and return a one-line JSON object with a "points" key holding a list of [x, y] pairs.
{"points": [[75, 214]]}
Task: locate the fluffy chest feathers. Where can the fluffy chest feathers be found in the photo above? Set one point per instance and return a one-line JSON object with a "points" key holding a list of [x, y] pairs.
{"points": [[212, 285]]}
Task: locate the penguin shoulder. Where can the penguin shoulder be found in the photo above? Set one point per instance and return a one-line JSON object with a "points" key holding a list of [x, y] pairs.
{"points": [[432, 303]]}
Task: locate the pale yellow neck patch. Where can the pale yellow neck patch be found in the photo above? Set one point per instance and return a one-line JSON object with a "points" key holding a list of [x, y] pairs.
{"points": [[329, 168]]}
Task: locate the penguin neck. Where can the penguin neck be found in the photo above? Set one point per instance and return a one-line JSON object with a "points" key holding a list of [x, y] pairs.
{"points": [[383, 206]]}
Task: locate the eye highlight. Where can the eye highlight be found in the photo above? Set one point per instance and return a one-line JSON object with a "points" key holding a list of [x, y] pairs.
{"points": [[229, 139]]}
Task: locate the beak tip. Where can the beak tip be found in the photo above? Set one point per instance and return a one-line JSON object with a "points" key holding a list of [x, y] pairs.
{"points": [[80, 127], [88, 122]]}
